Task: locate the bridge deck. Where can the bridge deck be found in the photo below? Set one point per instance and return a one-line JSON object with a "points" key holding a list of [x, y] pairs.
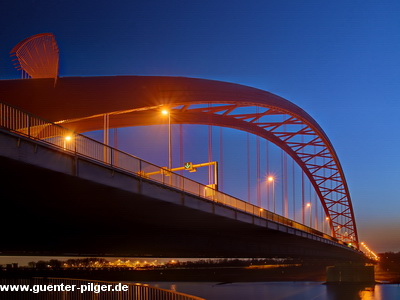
{"points": [[64, 204]]}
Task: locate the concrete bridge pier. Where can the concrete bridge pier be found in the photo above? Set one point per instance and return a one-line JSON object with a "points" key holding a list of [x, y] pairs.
{"points": [[350, 273]]}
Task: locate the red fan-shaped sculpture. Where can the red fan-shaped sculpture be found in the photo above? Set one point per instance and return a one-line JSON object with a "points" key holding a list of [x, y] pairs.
{"points": [[37, 56]]}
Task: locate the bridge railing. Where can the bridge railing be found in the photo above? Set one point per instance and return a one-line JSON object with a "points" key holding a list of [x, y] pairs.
{"points": [[33, 127], [66, 288]]}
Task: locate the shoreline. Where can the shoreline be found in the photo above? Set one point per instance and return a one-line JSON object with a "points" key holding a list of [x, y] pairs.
{"points": [[210, 274], [220, 274]]}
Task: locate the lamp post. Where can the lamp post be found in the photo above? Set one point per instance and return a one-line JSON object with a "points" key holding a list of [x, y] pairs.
{"points": [[272, 180], [66, 140], [323, 224], [309, 205], [167, 112]]}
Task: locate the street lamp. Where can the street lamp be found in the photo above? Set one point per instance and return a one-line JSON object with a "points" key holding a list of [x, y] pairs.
{"points": [[66, 140], [309, 205], [338, 229], [167, 112], [323, 224], [272, 179]]}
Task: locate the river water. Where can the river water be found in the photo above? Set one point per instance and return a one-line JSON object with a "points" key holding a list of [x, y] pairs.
{"points": [[282, 290]]}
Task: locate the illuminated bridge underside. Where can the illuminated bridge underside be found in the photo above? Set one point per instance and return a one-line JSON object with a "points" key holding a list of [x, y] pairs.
{"points": [[81, 103]]}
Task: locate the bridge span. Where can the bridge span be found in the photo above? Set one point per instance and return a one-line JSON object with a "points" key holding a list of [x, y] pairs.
{"points": [[59, 199], [99, 103]]}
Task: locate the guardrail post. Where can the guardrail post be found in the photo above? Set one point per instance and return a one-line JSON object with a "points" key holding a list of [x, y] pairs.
{"points": [[112, 157], [29, 125]]}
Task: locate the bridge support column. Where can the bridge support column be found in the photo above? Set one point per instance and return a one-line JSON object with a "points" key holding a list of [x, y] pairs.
{"points": [[350, 273]]}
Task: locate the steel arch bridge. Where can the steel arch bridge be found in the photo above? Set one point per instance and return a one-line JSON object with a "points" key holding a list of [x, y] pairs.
{"points": [[83, 103]]}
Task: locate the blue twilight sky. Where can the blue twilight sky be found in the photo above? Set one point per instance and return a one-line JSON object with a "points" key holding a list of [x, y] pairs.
{"points": [[338, 60]]}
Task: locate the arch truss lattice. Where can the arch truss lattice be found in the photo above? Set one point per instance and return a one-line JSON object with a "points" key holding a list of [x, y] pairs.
{"points": [[303, 141]]}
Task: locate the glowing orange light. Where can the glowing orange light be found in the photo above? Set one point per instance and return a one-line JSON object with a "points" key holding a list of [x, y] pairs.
{"points": [[270, 178], [308, 204], [165, 112], [68, 138]]}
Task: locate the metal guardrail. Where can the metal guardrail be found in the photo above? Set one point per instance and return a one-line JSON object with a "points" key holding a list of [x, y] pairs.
{"points": [[72, 289], [36, 128]]}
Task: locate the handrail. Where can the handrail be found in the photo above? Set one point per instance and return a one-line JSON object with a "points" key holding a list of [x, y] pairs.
{"points": [[69, 288], [24, 123]]}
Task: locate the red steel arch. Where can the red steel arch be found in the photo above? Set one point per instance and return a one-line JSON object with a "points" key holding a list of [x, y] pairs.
{"points": [[80, 104]]}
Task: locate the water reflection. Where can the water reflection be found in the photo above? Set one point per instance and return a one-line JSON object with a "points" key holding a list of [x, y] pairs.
{"points": [[284, 290], [351, 292]]}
